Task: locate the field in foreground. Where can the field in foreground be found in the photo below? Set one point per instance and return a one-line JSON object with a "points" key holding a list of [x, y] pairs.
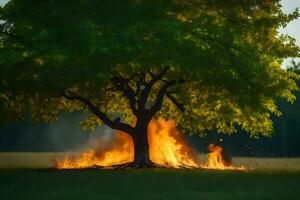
{"points": [[148, 184], [30, 176]]}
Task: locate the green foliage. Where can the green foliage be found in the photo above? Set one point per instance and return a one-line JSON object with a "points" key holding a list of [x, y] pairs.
{"points": [[229, 52]]}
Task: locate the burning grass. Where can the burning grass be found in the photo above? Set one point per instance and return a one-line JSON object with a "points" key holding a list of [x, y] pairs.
{"points": [[44, 160], [167, 149], [119, 152]]}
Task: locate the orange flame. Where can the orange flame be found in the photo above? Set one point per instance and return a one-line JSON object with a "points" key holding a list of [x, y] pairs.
{"points": [[121, 151], [167, 148], [217, 159]]}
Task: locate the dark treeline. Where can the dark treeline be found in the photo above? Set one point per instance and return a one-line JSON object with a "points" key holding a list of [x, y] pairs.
{"points": [[63, 135]]}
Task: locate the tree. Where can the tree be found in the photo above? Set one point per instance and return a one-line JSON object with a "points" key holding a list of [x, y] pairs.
{"points": [[211, 65]]}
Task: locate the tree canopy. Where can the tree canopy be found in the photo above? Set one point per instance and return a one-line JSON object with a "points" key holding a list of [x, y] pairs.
{"points": [[223, 59]]}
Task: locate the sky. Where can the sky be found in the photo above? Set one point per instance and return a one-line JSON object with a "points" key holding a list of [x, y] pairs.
{"points": [[288, 6], [293, 28]]}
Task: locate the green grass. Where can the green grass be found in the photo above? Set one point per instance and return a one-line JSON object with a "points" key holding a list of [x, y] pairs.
{"points": [[148, 184], [30, 176]]}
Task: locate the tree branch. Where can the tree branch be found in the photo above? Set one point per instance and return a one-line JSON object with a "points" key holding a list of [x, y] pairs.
{"points": [[160, 97], [122, 84], [146, 91], [180, 106], [114, 124]]}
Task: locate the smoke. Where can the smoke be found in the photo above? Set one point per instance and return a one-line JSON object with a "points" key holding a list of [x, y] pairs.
{"points": [[63, 135], [66, 135], [103, 140]]}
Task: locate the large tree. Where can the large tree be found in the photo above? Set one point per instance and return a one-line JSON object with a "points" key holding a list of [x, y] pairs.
{"points": [[211, 65]]}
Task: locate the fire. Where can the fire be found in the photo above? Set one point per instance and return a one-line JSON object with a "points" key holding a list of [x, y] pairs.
{"points": [[167, 148], [120, 152], [217, 159]]}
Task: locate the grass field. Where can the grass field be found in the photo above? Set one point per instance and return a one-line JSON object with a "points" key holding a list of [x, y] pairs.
{"points": [[27, 176], [147, 184]]}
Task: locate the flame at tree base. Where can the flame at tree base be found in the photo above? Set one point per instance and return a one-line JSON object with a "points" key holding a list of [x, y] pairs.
{"points": [[167, 148]]}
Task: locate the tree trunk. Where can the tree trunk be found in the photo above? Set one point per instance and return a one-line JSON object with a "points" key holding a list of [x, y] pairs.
{"points": [[141, 148]]}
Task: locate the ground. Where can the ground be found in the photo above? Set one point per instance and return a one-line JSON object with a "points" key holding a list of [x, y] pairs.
{"points": [[147, 184], [46, 183]]}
